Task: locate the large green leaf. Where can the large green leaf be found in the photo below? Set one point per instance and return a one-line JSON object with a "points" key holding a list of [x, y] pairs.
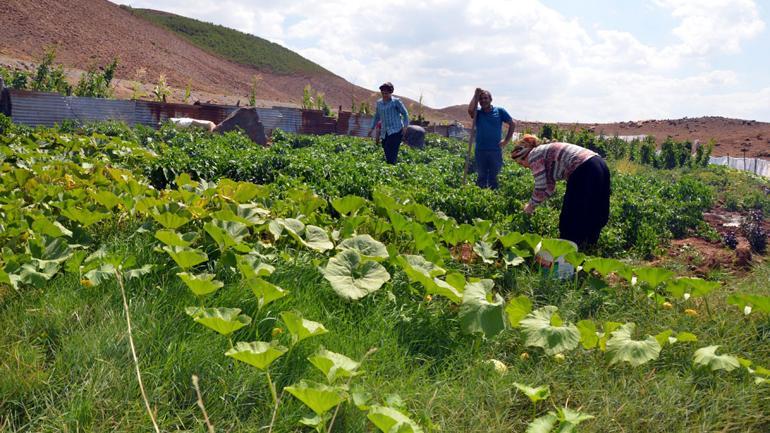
{"points": [[621, 348], [44, 226], [557, 247], [687, 287], [174, 239], [317, 239], [543, 424], [251, 266], [534, 394], [517, 309], [241, 192], [301, 328], [511, 239], [83, 216], [227, 234], [652, 275], [485, 251], [481, 311], [291, 225], [603, 266], [249, 214], [334, 365], [186, 257], [48, 249], [749, 303], [366, 246], [588, 335], [444, 288], [171, 219], [348, 205], [223, 320], [201, 284], [353, 278], [106, 198], [414, 265], [707, 357], [390, 420], [543, 329], [317, 396], [257, 353], [264, 291]]}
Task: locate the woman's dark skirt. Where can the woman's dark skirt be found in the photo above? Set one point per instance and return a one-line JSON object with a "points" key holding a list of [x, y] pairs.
{"points": [[586, 207]]}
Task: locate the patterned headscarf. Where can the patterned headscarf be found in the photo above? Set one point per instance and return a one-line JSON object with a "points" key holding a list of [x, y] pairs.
{"points": [[524, 146]]}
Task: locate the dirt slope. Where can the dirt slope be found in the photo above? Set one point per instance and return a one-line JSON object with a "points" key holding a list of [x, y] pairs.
{"points": [[92, 32]]}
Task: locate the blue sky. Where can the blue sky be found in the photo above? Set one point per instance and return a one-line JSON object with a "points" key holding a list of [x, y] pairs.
{"points": [[550, 60]]}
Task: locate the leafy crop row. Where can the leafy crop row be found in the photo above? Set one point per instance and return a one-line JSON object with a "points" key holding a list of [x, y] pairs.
{"points": [[59, 190]]}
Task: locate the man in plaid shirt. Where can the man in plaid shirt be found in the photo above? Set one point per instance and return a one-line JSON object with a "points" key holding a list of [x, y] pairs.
{"points": [[394, 117]]}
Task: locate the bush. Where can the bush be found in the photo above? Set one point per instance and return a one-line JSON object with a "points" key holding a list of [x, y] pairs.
{"points": [[755, 234], [97, 84]]}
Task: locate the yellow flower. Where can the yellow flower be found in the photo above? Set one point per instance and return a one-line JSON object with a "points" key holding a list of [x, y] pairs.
{"points": [[524, 356], [690, 312], [277, 331], [667, 305], [428, 298], [559, 357], [85, 282]]}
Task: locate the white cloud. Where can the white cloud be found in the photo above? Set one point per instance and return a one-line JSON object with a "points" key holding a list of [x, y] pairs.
{"points": [[539, 63]]}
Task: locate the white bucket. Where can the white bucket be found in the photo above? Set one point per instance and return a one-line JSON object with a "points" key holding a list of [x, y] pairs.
{"points": [[561, 268]]}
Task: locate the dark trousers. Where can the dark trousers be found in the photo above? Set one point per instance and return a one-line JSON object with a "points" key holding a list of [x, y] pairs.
{"points": [[488, 166], [390, 144], [586, 207]]}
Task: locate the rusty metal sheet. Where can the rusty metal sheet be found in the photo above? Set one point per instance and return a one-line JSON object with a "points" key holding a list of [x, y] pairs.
{"points": [[314, 122], [359, 125]]}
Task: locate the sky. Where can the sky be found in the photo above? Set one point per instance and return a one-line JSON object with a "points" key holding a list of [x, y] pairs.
{"points": [[546, 60]]}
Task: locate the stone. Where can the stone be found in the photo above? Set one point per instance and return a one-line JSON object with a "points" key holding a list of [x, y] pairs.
{"points": [[247, 120]]}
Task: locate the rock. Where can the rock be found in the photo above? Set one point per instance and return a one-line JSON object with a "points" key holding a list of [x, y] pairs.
{"points": [[743, 254], [247, 119]]}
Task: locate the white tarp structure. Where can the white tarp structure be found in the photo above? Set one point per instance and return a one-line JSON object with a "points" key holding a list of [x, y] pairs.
{"points": [[757, 166]]}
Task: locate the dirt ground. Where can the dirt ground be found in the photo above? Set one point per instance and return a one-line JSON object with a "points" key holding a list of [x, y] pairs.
{"points": [[702, 256]]}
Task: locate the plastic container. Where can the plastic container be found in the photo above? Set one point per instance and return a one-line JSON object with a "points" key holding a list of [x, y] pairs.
{"points": [[558, 268]]}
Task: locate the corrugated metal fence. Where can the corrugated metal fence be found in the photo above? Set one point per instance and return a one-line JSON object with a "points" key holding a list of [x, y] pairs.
{"points": [[46, 109]]}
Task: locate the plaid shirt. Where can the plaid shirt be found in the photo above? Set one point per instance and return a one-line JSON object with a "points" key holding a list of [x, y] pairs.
{"points": [[552, 162], [393, 115]]}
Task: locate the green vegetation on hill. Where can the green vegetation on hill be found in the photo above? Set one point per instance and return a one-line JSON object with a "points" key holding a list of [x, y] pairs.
{"points": [[231, 44]]}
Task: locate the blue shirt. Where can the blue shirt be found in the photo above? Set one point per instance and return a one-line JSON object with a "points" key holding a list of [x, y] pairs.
{"points": [[393, 115], [489, 128]]}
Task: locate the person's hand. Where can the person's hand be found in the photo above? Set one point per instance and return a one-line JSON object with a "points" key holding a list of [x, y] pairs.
{"points": [[477, 92], [403, 131], [503, 143], [370, 132], [528, 208]]}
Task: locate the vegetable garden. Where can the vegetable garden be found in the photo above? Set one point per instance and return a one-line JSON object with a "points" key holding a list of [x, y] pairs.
{"points": [[309, 286]]}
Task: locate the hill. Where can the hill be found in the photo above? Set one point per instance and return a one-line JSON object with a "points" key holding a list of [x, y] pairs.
{"points": [[146, 48], [238, 47]]}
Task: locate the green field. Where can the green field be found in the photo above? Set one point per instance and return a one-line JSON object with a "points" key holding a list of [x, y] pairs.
{"points": [[430, 284], [232, 45]]}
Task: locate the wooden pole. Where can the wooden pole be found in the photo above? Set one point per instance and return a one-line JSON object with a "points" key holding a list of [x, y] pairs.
{"points": [[470, 145]]}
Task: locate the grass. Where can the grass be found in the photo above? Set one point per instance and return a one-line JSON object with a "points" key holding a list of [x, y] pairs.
{"points": [[65, 362], [231, 44]]}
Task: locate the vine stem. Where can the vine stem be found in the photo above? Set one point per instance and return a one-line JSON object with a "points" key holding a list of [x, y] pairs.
{"points": [[272, 387], [275, 413], [200, 404], [119, 277], [334, 417]]}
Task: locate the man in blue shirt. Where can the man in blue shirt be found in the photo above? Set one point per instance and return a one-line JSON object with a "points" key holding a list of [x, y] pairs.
{"points": [[395, 119], [489, 131]]}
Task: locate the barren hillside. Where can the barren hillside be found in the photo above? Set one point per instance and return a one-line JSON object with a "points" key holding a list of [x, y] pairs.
{"points": [[93, 32]]}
